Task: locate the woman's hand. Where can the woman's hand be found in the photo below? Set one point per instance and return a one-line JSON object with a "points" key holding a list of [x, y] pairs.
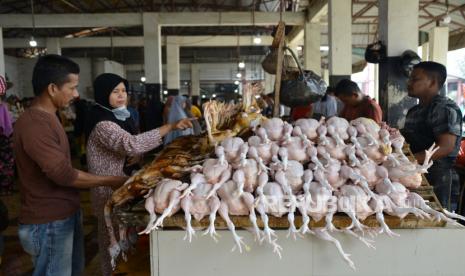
{"points": [[183, 124]]}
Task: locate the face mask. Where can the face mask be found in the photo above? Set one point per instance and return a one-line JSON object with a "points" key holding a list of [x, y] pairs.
{"points": [[121, 113]]}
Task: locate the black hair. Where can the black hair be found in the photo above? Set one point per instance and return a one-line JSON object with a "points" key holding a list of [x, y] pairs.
{"points": [[52, 69], [346, 87], [434, 70]]}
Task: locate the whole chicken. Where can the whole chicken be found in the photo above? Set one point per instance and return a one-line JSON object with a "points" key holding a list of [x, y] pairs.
{"points": [[216, 171], [166, 198], [308, 127], [195, 203], [241, 205], [232, 146]]}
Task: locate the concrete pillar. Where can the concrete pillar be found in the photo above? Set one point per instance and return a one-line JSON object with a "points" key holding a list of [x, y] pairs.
{"points": [[312, 55], [172, 67], [398, 28], [269, 83], [152, 55], [53, 45], [438, 44], [326, 76], [425, 51], [340, 40], [195, 84], [2, 55]]}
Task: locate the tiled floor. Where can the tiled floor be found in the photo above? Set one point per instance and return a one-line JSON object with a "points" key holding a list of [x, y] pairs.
{"points": [[16, 262]]}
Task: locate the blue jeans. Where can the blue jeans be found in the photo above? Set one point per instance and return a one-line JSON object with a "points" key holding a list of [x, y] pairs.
{"points": [[57, 247]]}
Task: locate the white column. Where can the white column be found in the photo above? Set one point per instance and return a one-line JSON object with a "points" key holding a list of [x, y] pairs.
{"points": [[152, 48], [398, 25], [2, 55], [398, 29], [340, 40], [269, 83], [172, 66], [425, 51], [195, 80], [438, 44], [312, 55], [53, 45]]}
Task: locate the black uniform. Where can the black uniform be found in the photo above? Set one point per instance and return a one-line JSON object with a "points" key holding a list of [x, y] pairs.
{"points": [[423, 125]]}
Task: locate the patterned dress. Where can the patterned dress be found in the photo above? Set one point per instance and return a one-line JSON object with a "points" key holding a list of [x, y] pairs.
{"points": [[107, 149], [7, 164]]}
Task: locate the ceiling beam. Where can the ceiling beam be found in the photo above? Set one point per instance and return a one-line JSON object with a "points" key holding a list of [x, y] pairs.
{"points": [[138, 41], [135, 19]]}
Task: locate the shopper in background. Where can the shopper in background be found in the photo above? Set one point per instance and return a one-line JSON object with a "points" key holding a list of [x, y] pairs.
{"points": [[50, 220], [436, 119], [356, 104], [114, 146], [326, 107], [177, 112], [7, 162]]}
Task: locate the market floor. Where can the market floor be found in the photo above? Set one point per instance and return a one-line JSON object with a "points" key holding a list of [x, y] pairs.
{"points": [[16, 262]]}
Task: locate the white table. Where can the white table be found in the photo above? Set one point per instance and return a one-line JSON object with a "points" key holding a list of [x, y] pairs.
{"points": [[436, 251]]}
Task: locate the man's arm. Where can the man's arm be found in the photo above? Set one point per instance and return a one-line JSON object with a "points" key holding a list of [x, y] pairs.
{"points": [[86, 180], [446, 143]]}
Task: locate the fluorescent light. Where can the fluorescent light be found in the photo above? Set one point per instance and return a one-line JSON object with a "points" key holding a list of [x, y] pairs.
{"points": [[235, 90], [239, 75], [143, 79], [257, 40], [165, 92], [214, 95], [203, 96], [324, 48], [236, 82], [241, 65], [32, 42]]}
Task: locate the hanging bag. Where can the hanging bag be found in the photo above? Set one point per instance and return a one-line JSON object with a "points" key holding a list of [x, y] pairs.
{"points": [[307, 88]]}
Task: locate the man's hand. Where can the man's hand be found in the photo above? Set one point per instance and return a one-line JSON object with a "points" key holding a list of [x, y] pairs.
{"points": [[183, 124]]}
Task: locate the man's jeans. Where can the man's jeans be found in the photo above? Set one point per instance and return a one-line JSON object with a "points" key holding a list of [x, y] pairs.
{"points": [[444, 179], [57, 247]]}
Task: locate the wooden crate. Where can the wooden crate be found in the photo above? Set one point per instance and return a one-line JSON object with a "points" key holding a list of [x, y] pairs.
{"points": [[137, 216]]}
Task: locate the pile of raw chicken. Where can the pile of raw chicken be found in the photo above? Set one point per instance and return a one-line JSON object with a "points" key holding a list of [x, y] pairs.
{"points": [[318, 168]]}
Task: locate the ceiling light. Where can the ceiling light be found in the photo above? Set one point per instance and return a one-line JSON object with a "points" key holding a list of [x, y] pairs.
{"points": [[236, 82], [324, 48], [257, 40], [32, 42], [241, 65], [257, 96], [299, 48], [239, 75], [203, 96], [235, 90], [143, 79], [214, 95], [447, 19], [165, 92]]}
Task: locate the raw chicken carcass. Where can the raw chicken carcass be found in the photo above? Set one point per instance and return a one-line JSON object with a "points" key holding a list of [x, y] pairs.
{"points": [[195, 203], [241, 205], [308, 127], [232, 146], [166, 198], [340, 126], [216, 171]]}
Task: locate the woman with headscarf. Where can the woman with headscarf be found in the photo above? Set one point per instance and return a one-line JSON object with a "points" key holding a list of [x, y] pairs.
{"points": [[112, 140], [195, 123], [6, 151], [177, 113]]}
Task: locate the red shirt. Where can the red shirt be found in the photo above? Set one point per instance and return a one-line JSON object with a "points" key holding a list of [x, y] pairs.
{"points": [[368, 108], [300, 112]]}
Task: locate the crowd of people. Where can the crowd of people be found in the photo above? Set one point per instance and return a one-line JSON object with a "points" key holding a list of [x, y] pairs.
{"points": [[117, 129]]}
